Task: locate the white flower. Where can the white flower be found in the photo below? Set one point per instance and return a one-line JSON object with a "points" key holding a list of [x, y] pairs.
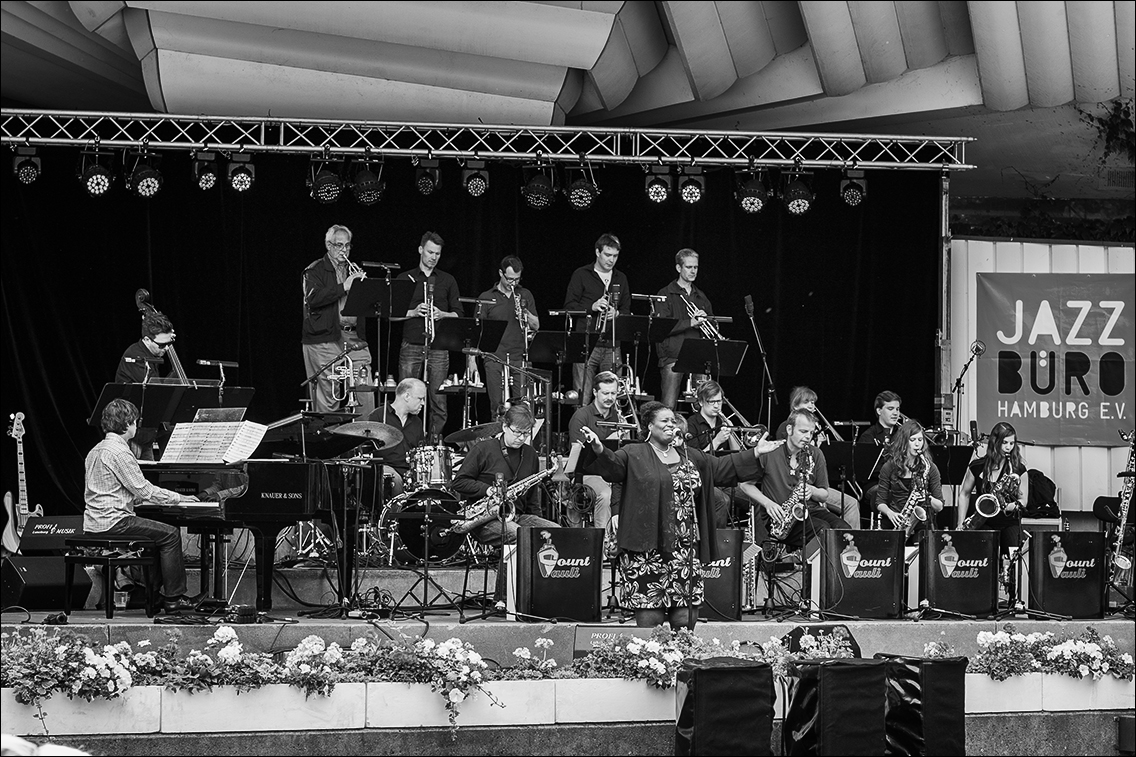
{"points": [[457, 696], [223, 635], [523, 653], [230, 654], [144, 643], [305, 668], [543, 643], [474, 658], [652, 646], [359, 645]]}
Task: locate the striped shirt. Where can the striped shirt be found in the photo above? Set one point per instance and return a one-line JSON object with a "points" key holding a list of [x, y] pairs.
{"points": [[114, 484]]}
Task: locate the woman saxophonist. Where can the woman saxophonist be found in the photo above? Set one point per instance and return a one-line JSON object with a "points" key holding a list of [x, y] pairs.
{"points": [[1003, 458], [664, 520], [909, 480]]}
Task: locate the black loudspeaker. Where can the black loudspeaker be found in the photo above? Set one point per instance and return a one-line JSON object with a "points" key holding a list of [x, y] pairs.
{"points": [[45, 536], [861, 573], [926, 705], [558, 573], [725, 706], [836, 707], [959, 571], [36, 583], [1066, 573], [723, 579]]}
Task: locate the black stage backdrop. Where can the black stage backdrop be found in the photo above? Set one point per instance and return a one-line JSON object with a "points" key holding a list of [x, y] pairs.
{"points": [[845, 298]]}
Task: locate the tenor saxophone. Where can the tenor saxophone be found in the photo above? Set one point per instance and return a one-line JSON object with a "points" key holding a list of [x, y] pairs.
{"points": [[992, 503], [480, 508]]}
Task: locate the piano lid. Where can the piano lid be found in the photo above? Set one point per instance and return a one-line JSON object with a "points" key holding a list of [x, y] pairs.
{"points": [[321, 444]]}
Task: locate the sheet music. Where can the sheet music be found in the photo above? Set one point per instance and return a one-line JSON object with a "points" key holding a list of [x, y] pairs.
{"points": [[223, 442], [573, 458]]}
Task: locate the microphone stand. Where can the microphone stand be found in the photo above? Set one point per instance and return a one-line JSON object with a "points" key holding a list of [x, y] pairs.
{"points": [[976, 349], [771, 390]]}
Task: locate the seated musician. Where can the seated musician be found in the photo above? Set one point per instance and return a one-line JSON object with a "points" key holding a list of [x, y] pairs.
{"points": [[601, 408], [404, 413], [708, 431], [909, 466], [796, 472], [509, 454], [114, 484], [844, 505], [140, 362], [880, 434]]}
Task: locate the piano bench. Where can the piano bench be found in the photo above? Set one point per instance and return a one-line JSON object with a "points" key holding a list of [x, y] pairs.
{"points": [[145, 554]]}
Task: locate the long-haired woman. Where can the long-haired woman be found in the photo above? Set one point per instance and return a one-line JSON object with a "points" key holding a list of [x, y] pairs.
{"points": [[1000, 472], [908, 469]]}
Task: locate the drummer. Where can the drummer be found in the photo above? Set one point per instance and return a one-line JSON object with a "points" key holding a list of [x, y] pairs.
{"points": [[403, 413]]}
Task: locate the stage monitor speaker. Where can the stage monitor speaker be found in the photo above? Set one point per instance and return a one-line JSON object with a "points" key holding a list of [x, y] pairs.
{"points": [[860, 573], [37, 583], [926, 713], [725, 706], [46, 536], [836, 706], [722, 599], [1066, 574], [558, 573], [959, 571]]}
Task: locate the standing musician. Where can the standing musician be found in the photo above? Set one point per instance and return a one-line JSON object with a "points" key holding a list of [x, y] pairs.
{"points": [[844, 505], [511, 302], [591, 289], [404, 413], [798, 469], [985, 475], [601, 408], [907, 468], [708, 431], [326, 329], [663, 521], [443, 303], [690, 306], [141, 361]]}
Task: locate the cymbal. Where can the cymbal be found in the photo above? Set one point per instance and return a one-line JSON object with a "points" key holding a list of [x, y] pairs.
{"points": [[473, 433], [388, 435]]}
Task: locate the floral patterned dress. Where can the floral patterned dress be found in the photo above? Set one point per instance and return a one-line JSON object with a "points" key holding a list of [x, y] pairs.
{"points": [[668, 578]]}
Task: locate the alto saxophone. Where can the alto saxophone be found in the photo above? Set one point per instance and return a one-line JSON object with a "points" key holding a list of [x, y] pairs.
{"points": [[913, 511], [795, 508]]}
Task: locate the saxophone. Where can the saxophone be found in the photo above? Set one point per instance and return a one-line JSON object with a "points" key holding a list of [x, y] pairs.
{"points": [[480, 508], [795, 508], [913, 511], [993, 502], [1121, 560]]}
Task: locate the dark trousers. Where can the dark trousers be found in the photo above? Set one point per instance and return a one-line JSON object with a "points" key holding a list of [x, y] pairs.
{"points": [[168, 539]]}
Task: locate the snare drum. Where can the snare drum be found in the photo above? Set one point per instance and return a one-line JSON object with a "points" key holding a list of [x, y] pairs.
{"points": [[414, 522], [431, 467]]}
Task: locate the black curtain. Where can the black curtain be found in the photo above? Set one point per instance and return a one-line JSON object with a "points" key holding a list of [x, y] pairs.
{"points": [[846, 298]]}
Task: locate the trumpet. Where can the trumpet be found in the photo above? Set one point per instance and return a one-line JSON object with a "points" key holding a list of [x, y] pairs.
{"points": [[353, 269], [709, 328], [428, 300]]}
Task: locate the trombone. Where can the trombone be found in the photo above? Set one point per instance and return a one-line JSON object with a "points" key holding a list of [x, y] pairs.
{"points": [[737, 423], [625, 398]]}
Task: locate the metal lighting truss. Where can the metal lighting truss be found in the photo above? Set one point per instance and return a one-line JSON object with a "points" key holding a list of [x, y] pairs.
{"points": [[539, 144]]}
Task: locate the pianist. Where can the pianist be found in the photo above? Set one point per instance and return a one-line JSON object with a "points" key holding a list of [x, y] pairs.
{"points": [[114, 484], [140, 362]]}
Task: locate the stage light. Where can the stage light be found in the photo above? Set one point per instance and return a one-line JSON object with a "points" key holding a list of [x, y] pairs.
{"points": [[427, 177], [475, 179], [539, 191], [659, 184], [241, 172], [693, 186], [797, 196], [752, 195], [205, 170], [94, 173], [582, 191], [143, 178], [368, 187], [325, 181], [26, 165], [853, 188]]}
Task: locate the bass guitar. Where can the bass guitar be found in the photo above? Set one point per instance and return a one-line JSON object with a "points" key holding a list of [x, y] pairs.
{"points": [[18, 512]]}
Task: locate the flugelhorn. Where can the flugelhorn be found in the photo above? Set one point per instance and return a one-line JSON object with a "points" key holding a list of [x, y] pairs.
{"points": [[709, 328]]}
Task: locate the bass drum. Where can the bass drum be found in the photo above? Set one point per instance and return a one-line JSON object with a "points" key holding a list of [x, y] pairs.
{"points": [[418, 521]]}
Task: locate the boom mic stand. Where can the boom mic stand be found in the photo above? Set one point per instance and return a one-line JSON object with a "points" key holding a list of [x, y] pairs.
{"points": [[977, 348], [767, 376]]}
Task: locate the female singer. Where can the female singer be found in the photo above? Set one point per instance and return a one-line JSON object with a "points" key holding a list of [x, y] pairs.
{"points": [[664, 521], [908, 466], [985, 475]]}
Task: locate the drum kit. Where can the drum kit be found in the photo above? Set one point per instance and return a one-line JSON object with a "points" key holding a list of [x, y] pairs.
{"points": [[412, 528]]}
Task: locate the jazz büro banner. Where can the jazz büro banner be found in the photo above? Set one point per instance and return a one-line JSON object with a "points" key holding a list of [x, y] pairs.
{"points": [[1059, 355]]}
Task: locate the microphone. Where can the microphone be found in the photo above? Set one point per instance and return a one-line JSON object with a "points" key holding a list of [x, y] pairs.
{"points": [[144, 359], [222, 363], [977, 348], [472, 351], [649, 297], [974, 431], [388, 266], [475, 301], [749, 305]]}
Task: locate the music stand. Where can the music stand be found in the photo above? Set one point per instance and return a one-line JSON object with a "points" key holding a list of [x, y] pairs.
{"points": [[840, 459], [375, 298], [642, 328], [455, 334], [952, 461], [723, 358], [559, 348], [430, 521]]}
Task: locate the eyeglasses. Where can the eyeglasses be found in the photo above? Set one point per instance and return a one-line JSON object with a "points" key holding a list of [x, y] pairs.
{"points": [[163, 344], [512, 279], [523, 434], [713, 402], [339, 245]]}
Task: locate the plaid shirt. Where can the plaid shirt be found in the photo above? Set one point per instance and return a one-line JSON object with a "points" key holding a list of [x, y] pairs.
{"points": [[114, 483]]}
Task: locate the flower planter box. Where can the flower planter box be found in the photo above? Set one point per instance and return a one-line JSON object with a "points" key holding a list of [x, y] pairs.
{"points": [[407, 705], [273, 708], [136, 711], [612, 700], [1061, 693], [1015, 694]]}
